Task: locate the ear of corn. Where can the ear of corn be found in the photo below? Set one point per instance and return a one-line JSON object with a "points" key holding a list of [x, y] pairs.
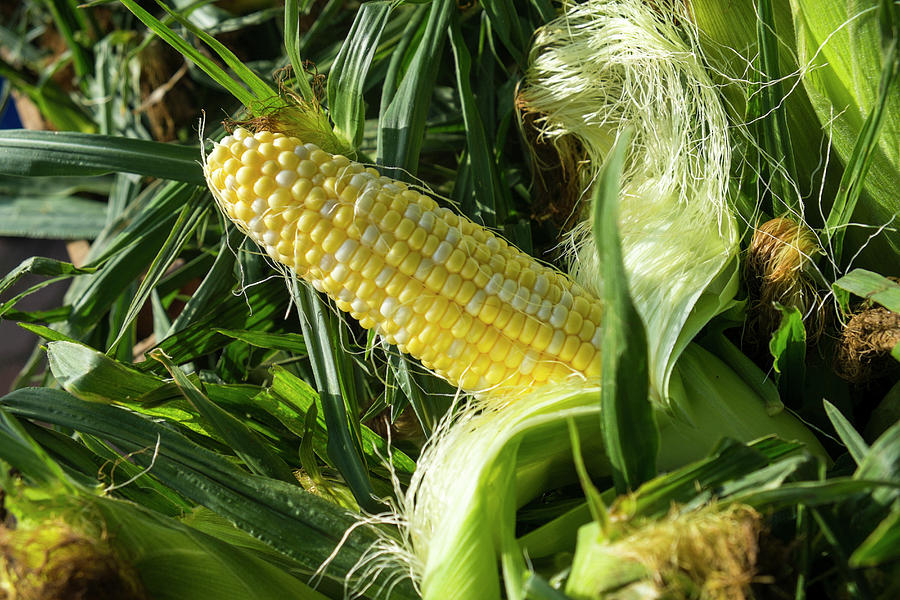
{"points": [[471, 307]]}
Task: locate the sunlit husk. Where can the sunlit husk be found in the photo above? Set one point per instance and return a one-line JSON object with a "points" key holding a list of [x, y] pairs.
{"points": [[606, 65]]}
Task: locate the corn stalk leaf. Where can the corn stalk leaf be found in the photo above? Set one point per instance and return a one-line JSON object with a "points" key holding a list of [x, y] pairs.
{"points": [[292, 46], [506, 19], [294, 393], [854, 442], [882, 545], [402, 120], [260, 89], [51, 217], [288, 342], [207, 64], [49, 153], [627, 414], [284, 516], [871, 286], [486, 180], [259, 308], [188, 219], [39, 265], [245, 443], [347, 77], [344, 446]]}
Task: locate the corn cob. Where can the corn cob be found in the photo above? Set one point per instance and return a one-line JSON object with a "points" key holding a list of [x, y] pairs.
{"points": [[472, 308]]}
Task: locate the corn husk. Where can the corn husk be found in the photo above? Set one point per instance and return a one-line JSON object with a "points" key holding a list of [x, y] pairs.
{"points": [[606, 65], [839, 48], [709, 553], [458, 514]]}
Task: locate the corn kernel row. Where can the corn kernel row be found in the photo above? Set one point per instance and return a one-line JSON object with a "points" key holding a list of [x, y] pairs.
{"points": [[471, 307]]}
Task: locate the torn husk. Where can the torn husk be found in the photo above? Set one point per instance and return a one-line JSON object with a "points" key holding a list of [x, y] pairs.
{"points": [[607, 65]]}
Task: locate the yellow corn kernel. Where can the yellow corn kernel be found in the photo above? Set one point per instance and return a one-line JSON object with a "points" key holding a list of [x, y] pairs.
{"points": [[468, 304]]}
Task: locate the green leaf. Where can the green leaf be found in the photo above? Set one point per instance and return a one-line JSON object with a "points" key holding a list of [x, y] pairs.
{"points": [[147, 224], [871, 286], [627, 414], [505, 18], [207, 64], [767, 105], [244, 442], [325, 355], [259, 308], [810, 493], [347, 77], [258, 87], [292, 392], [862, 156], [851, 438], [402, 121], [282, 515], [882, 545], [847, 76], [38, 265], [484, 168], [178, 561], [788, 348], [882, 462], [743, 366], [93, 376], [50, 153], [21, 451], [288, 342], [729, 462], [292, 46], [188, 219], [51, 217]]}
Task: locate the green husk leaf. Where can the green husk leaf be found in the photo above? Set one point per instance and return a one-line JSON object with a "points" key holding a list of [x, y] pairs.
{"points": [[627, 413], [284, 516]]}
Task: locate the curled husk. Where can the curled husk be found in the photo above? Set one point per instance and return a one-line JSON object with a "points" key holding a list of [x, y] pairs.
{"points": [[607, 65]]}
